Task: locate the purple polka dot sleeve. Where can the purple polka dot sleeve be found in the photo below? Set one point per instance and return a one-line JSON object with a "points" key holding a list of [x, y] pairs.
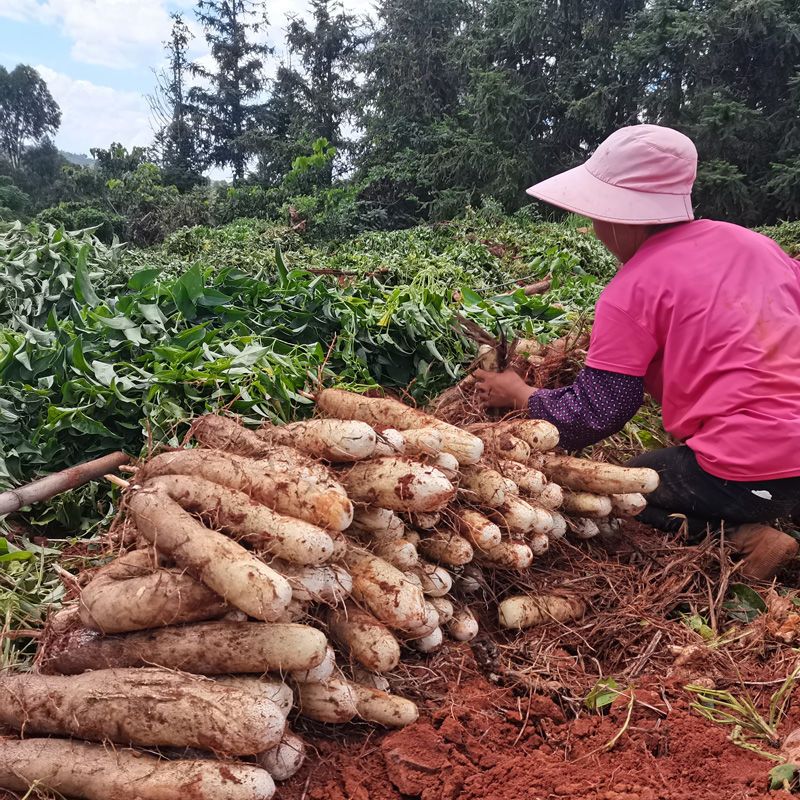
{"points": [[597, 404]]}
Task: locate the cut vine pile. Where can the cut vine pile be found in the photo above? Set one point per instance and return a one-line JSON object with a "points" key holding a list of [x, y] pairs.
{"points": [[292, 573]]}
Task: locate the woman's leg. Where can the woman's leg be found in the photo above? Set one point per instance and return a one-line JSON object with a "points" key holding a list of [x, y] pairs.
{"points": [[686, 495], [706, 501]]}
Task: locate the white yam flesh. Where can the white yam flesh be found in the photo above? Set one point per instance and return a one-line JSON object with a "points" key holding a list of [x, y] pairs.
{"points": [[448, 464]]}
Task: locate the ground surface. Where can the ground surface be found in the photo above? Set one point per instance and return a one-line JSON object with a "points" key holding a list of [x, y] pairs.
{"points": [[504, 717]]}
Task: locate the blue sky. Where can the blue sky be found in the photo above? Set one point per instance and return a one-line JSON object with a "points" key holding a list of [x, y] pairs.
{"points": [[98, 56]]}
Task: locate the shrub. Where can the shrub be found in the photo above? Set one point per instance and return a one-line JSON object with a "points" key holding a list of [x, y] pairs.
{"points": [[79, 216]]}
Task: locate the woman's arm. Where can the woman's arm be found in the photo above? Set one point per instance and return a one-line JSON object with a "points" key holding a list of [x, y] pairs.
{"points": [[596, 405]]}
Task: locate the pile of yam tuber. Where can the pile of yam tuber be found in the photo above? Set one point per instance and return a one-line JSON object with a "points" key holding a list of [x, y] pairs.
{"points": [[285, 572]]}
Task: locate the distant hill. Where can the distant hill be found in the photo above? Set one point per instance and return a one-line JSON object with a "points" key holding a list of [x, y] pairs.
{"points": [[78, 158]]}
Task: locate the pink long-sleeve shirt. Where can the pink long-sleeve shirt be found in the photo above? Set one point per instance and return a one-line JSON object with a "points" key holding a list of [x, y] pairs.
{"points": [[708, 313]]}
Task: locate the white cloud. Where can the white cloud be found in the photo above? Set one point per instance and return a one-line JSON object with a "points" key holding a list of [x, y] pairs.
{"points": [[110, 33], [95, 116]]}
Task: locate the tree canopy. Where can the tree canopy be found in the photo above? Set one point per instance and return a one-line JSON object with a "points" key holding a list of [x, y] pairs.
{"points": [[432, 106]]}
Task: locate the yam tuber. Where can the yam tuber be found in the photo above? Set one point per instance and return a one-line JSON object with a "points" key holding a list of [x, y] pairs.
{"points": [[586, 504], [331, 439], [483, 485], [285, 759], [528, 610], [260, 527], [134, 593], [145, 707], [386, 592], [294, 491], [367, 640], [446, 547], [382, 708], [399, 484], [383, 411], [590, 476], [234, 573], [99, 772], [332, 701], [205, 648]]}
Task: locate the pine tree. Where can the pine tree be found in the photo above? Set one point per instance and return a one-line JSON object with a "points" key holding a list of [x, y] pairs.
{"points": [[314, 99], [176, 137], [227, 111]]}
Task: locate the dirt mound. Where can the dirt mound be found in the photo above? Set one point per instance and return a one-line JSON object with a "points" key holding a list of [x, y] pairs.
{"points": [[481, 742], [504, 717]]}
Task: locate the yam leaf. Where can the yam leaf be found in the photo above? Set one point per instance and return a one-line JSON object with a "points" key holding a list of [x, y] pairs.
{"points": [[84, 291]]}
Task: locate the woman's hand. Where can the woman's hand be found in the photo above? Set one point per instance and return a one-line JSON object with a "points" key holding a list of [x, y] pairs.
{"points": [[503, 389]]}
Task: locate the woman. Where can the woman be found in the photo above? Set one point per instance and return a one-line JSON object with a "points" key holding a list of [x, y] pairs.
{"points": [[704, 316]]}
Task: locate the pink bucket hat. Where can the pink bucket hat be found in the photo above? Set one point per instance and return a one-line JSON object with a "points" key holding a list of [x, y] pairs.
{"points": [[640, 175]]}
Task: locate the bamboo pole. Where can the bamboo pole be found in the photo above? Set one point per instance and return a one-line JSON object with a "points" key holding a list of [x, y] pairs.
{"points": [[54, 484]]}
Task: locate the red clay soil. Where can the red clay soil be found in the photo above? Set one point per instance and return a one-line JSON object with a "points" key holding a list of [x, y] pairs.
{"points": [[481, 742]]}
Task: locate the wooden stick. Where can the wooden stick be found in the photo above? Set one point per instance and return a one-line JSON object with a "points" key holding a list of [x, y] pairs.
{"points": [[50, 486]]}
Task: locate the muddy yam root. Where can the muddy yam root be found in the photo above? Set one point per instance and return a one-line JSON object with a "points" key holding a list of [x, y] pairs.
{"points": [[526, 611], [386, 591], [383, 412], [234, 573], [100, 772], [204, 648], [236, 514], [367, 640], [399, 484], [134, 593], [590, 476], [332, 439], [145, 707], [292, 488]]}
